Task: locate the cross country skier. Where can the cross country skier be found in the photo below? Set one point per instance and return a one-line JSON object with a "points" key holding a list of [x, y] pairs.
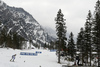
{"points": [[13, 57]]}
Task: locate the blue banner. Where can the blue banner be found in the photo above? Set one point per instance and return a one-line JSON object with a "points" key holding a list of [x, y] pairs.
{"points": [[26, 53], [38, 52]]}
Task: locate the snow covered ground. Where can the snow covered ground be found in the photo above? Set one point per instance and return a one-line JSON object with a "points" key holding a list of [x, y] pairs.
{"points": [[45, 59]]}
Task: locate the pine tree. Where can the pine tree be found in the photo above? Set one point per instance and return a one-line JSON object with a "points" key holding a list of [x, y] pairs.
{"points": [[61, 33], [45, 46], [30, 43], [71, 46], [88, 36], [3, 36], [17, 41], [96, 29], [9, 41], [80, 43]]}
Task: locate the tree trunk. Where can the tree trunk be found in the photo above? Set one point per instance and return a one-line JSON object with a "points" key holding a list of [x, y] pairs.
{"points": [[59, 51], [87, 58], [98, 57], [90, 56], [82, 58], [58, 56]]}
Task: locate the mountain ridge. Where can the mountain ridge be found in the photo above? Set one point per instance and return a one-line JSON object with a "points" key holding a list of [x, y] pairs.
{"points": [[20, 21]]}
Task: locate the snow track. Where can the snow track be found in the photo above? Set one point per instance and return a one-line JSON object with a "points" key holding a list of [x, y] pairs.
{"points": [[44, 59]]}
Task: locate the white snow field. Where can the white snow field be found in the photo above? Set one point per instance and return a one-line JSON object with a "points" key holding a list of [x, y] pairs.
{"points": [[44, 59]]}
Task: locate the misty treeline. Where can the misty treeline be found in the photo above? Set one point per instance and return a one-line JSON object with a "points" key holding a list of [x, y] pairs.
{"points": [[87, 46]]}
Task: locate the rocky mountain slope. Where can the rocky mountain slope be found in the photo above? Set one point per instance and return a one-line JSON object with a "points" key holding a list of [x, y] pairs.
{"points": [[19, 21]]}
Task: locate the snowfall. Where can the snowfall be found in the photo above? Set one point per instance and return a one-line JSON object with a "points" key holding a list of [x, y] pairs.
{"points": [[45, 58]]}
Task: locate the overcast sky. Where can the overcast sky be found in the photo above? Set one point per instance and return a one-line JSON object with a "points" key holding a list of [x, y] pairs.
{"points": [[44, 11]]}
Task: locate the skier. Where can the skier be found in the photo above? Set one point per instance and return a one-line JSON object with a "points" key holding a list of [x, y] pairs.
{"points": [[13, 57]]}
